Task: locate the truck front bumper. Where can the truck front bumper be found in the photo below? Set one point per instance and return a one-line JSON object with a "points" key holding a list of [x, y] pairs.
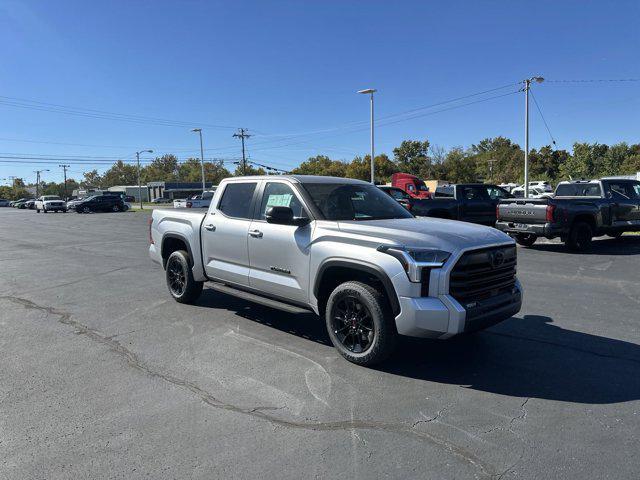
{"points": [[444, 316], [547, 230]]}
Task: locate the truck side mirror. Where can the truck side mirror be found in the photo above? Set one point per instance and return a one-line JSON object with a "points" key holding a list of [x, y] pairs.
{"points": [[283, 216]]}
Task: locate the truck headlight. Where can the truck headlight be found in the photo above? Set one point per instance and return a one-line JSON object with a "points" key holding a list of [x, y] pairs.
{"points": [[416, 261]]}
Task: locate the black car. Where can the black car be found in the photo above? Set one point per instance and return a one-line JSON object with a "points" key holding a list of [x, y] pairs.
{"points": [[101, 203]]}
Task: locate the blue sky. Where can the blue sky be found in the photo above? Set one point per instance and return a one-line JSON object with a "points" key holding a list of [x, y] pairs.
{"points": [[282, 68]]}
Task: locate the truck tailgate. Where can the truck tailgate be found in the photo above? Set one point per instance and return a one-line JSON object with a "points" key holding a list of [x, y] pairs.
{"points": [[525, 211]]}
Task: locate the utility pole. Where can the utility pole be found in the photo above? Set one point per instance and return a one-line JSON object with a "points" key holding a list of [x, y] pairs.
{"points": [[527, 86], [64, 169], [139, 184], [491, 162], [242, 135], [199, 130], [370, 92], [38, 172]]}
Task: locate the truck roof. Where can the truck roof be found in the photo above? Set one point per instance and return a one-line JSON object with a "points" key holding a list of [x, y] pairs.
{"points": [[302, 179]]}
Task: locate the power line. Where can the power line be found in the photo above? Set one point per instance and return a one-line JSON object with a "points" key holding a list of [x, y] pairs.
{"points": [[606, 80], [553, 140], [98, 114]]}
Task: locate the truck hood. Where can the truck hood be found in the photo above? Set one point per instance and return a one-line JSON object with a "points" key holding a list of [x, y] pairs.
{"points": [[447, 235]]}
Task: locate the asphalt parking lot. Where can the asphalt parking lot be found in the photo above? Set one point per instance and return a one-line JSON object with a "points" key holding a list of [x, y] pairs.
{"points": [[105, 376]]}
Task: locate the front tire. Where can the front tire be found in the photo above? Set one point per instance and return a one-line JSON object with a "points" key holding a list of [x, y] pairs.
{"points": [[360, 323], [525, 239], [116, 208], [180, 281], [580, 237]]}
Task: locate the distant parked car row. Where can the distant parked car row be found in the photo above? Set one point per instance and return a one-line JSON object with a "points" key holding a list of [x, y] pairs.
{"points": [[105, 202]]}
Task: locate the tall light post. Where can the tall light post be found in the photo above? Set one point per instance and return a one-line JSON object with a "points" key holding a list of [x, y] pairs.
{"points": [[199, 130], [527, 86], [140, 184], [38, 172], [371, 91]]}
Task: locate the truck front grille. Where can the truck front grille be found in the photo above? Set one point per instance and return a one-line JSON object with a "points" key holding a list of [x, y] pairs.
{"points": [[483, 274]]}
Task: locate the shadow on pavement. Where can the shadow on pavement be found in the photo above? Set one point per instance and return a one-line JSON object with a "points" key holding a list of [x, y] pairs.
{"points": [[626, 245], [528, 357], [308, 326], [521, 357]]}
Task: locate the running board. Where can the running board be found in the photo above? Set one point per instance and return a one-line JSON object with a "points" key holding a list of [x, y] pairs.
{"points": [[252, 297]]}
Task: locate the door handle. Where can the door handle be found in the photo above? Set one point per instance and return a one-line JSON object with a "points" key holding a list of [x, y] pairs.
{"points": [[255, 233], [210, 227]]}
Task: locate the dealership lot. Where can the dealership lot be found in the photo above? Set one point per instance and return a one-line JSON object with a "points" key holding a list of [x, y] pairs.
{"points": [[105, 376]]}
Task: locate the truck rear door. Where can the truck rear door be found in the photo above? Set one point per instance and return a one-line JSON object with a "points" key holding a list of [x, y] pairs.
{"points": [[225, 232]]}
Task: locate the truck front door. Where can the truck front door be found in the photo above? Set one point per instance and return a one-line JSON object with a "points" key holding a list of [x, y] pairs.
{"points": [[279, 254], [225, 232], [476, 205]]}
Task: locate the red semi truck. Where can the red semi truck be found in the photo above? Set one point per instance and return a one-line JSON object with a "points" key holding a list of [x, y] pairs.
{"points": [[411, 184]]}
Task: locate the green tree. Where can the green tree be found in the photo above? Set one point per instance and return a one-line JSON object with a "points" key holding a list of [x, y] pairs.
{"points": [[120, 174], [412, 156], [91, 179], [460, 167], [360, 168], [321, 165], [161, 169], [250, 170]]}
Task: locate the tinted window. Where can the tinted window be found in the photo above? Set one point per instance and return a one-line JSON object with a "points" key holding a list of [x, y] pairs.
{"points": [[236, 199], [497, 192], [624, 190], [578, 190], [444, 191], [398, 194], [280, 195], [354, 202], [474, 193], [207, 195]]}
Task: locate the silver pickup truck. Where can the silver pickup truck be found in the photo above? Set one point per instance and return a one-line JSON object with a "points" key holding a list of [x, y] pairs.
{"points": [[344, 250]]}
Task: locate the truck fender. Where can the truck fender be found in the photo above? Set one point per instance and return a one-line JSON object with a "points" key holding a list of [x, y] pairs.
{"points": [[176, 236], [370, 269]]}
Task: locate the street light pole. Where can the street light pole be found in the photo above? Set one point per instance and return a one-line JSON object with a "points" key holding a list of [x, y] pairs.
{"points": [[140, 184], [527, 86], [199, 130], [371, 91]]}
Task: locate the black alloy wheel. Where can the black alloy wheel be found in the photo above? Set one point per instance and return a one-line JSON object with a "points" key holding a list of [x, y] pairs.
{"points": [[352, 324], [86, 209], [176, 277]]}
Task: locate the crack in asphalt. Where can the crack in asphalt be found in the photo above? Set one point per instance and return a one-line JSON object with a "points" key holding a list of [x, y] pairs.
{"points": [[431, 419], [258, 412]]}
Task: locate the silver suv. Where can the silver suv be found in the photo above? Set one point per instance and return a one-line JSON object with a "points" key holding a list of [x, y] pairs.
{"points": [[344, 250]]}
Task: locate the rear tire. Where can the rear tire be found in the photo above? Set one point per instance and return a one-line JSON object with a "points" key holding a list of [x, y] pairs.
{"points": [[580, 237], [360, 323], [180, 281], [525, 239]]}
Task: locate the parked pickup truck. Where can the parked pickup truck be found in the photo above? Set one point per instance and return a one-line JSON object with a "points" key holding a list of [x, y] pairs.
{"points": [[197, 201], [344, 250], [469, 202], [578, 211]]}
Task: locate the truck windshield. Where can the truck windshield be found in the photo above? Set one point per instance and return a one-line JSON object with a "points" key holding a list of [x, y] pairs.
{"points": [[354, 202]]}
